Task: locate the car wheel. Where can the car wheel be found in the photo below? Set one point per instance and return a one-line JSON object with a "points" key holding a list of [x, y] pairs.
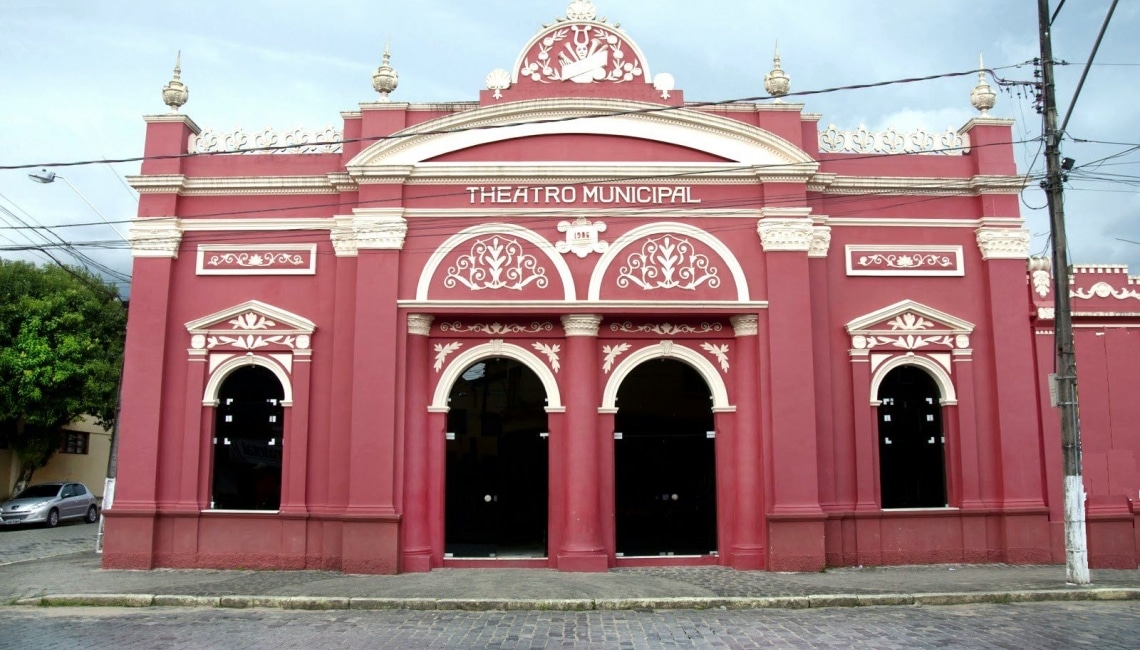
{"points": [[53, 518], [92, 515]]}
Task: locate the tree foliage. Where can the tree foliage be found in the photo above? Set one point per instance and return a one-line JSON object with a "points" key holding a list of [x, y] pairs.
{"points": [[61, 345]]}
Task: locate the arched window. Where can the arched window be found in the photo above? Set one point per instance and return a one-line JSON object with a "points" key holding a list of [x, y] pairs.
{"points": [[248, 438], [912, 467]]}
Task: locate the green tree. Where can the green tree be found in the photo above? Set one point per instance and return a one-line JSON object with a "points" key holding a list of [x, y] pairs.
{"points": [[61, 345]]}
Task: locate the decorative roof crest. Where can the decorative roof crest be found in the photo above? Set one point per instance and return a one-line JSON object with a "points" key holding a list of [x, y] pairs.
{"points": [[581, 48]]}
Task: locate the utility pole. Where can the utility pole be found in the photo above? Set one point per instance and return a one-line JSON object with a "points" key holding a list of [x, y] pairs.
{"points": [[1076, 543]]}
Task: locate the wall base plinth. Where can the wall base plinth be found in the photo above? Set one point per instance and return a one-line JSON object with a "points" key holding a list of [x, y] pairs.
{"points": [[751, 558], [418, 561], [583, 562]]}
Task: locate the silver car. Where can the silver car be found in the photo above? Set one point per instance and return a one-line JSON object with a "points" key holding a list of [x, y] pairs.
{"points": [[49, 504]]}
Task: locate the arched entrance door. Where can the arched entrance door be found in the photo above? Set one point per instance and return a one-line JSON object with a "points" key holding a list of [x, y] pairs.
{"points": [[912, 469], [497, 458], [664, 462], [248, 438]]}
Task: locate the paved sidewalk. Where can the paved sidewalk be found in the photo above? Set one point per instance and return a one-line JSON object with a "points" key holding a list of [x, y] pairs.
{"points": [[77, 579]]}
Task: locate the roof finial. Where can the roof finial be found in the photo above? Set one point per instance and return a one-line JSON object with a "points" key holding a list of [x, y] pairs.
{"points": [[982, 96], [581, 10], [777, 82], [385, 79], [175, 93]]}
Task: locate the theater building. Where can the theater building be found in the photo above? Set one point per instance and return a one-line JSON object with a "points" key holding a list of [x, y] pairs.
{"points": [[582, 323]]}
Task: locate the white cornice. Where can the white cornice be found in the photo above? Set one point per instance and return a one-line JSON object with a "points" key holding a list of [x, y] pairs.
{"points": [[594, 305], [545, 172], [173, 118], [231, 185], [654, 212], [890, 222], [948, 186]]}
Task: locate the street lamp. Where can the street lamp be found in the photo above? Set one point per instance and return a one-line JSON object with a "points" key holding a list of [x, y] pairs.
{"points": [[45, 176]]}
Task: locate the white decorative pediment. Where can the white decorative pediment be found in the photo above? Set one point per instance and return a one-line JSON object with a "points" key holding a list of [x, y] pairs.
{"points": [[252, 325], [909, 325]]}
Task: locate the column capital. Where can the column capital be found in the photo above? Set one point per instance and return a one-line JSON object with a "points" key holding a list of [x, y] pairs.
{"points": [[155, 237], [785, 234], [368, 232], [581, 324], [420, 324], [745, 324], [1003, 243], [820, 241]]}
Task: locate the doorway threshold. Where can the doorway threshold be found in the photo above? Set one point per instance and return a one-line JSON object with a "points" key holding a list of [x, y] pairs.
{"points": [[631, 561], [496, 562]]}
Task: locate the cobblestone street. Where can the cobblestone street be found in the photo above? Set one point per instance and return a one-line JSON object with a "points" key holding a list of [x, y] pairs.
{"points": [[1037, 625]]}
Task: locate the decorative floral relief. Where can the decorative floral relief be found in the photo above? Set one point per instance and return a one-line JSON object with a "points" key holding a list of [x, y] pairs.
{"points": [[1105, 290], [862, 140], [915, 261], [256, 259], [442, 351], [910, 321], [551, 352], [666, 328], [1042, 282], [249, 341], [593, 54], [612, 352], [298, 140], [668, 262], [718, 351], [910, 342], [252, 321], [497, 328], [496, 263]]}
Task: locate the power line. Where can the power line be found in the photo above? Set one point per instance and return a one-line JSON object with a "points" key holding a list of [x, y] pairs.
{"points": [[555, 120]]}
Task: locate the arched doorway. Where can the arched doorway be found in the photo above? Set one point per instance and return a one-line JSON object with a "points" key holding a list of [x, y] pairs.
{"points": [[497, 459], [248, 437], [664, 462], [912, 469]]}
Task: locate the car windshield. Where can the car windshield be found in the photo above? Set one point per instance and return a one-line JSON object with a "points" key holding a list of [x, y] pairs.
{"points": [[39, 491]]}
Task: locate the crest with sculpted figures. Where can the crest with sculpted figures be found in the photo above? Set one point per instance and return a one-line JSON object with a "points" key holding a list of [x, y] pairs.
{"points": [[580, 48]]}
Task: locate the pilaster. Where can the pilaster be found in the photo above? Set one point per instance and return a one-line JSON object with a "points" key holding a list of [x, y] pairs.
{"points": [[416, 510]]}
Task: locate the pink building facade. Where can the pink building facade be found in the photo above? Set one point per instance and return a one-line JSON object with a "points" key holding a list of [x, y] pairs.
{"points": [[582, 324]]}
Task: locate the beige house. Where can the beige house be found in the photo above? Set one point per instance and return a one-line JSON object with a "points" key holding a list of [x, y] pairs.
{"points": [[82, 457]]}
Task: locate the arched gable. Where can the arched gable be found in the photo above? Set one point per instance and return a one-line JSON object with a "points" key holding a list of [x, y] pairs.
{"points": [[723, 137], [667, 350], [620, 245], [496, 348], [455, 241]]}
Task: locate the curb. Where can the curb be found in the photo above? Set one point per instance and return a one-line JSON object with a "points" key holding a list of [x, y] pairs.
{"points": [[318, 603]]}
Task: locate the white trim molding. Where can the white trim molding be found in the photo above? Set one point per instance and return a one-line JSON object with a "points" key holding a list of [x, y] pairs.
{"points": [[218, 376], [667, 350], [904, 260], [489, 350], [256, 259], [948, 397]]}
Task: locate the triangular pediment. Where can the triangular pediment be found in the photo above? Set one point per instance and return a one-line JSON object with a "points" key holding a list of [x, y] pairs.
{"points": [[252, 317], [908, 317]]}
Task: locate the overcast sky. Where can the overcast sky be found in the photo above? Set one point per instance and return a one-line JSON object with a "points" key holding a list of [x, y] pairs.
{"points": [[76, 77]]}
